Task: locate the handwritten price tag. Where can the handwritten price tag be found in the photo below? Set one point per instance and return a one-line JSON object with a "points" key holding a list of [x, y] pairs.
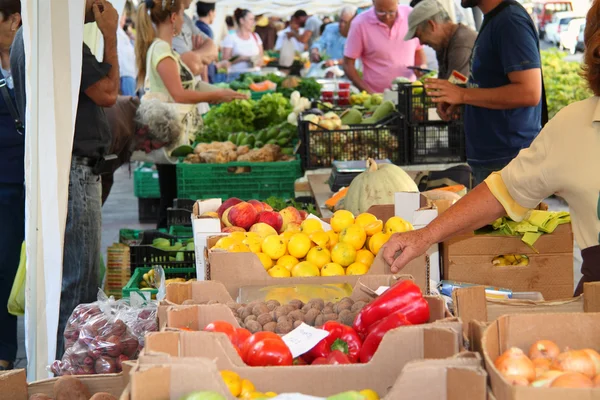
{"points": [[303, 339], [381, 289]]}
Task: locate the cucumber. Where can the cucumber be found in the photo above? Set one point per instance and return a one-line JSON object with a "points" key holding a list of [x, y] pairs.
{"points": [[259, 144], [182, 151], [283, 142], [272, 141]]}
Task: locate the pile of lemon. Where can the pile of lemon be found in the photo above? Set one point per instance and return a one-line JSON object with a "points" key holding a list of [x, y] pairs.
{"points": [[349, 248]]}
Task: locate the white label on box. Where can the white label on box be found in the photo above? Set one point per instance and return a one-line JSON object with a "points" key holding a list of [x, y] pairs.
{"points": [[326, 227], [302, 339], [422, 218], [381, 289], [432, 115], [405, 205], [210, 205], [200, 240]]}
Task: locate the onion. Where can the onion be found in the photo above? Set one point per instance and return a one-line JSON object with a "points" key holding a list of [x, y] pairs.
{"points": [[595, 358], [572, 380], [543, 349], [575, 361], [517, 380], [597, 381], [542, 365], [546, 378], [513, 362]]}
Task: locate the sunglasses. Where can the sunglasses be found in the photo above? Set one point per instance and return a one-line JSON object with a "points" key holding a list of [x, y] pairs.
{"points": [[386, 13]]}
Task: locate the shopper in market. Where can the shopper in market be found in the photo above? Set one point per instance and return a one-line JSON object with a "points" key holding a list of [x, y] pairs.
{"points": [[206, 16], [430, 23], [126, 54], [503, 101], [243, 49], [164, 75], [377, 37], [333, 40], [555, 163], [313, 24], [12, 184], [265, 28], [295, 32]]}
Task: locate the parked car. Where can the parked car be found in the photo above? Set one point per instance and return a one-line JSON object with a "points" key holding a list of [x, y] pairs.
{"points": [[580, 43], [560, 21], [570, 35], [544, 10]]}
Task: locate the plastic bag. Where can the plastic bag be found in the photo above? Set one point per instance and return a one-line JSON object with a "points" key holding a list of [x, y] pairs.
{"points": [[101, 335], [287, 53], [16, 299]]}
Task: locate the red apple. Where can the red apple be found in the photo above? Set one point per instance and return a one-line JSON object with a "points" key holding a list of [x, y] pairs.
{"points": [[289, 215], [230, 229], [243, 215], [225, 218], [227, 204], [258, 205], [263, 230], [303, 214], [267, 207], [272, 218]]}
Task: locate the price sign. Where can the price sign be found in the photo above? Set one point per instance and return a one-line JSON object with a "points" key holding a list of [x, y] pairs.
{"points": [[302, 339]]}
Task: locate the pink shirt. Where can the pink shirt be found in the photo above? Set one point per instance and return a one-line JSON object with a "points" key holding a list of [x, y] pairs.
{"points": [[383, 51]]}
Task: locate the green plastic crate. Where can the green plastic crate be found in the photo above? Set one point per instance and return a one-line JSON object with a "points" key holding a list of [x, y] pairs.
{"points": [[145, 182], [259, 95], [259, 181], [181, 232], [134, 283]]}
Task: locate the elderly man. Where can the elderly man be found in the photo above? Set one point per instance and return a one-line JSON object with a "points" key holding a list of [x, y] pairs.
{"points": [[429, 22], [333, 40], [377, 38]]}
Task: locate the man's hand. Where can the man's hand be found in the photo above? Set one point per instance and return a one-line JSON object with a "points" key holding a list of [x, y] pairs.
{"points": [[314, 55], [409, 244], [448, 112], [107, 18], [443, 91], [291, 34], [331, 63], [227, 95], [197, 41]]}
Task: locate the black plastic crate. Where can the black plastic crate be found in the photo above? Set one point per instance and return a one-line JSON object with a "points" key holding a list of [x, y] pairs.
{"points": [[416, 105], [178, 216], [319, 147], [148, 210], [148, 256], [436, 143], [186, 204]]}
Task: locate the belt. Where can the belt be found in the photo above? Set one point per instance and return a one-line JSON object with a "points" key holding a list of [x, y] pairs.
{"points": [[85, 161]]}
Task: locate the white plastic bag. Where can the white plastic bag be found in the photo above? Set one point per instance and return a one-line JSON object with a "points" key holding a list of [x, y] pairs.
{"points": [[287, 53]]}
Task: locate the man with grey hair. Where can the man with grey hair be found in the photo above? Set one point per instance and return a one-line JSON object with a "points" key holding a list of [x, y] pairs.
{"points": [[453, 43], [333, 40]]}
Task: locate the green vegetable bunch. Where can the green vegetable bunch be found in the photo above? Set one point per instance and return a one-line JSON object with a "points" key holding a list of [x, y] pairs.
{"points": [[308, 87], [271, 109], [236, 116]]}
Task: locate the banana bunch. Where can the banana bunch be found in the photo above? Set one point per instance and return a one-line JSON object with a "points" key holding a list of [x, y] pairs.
{"points": [[148, 280], [515, 260]]}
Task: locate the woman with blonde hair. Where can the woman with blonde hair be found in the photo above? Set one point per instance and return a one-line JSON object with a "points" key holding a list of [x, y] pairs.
{"points": [[165, 77]]}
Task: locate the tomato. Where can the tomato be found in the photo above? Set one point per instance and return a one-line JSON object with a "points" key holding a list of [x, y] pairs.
{"points": [[255, 338], [269, 352], [334, 358], [223, 327], [241, 336], [320, 361]]}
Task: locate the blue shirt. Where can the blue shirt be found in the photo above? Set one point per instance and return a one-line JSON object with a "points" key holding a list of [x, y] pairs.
{"points": [[12, 144], [204, 27], [508, 43], [331, 42]]}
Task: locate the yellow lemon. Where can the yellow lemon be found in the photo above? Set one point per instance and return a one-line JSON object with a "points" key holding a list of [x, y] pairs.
{"points": [[332, 269], [341, 219], [319, 256], [311, 225], [304, 269], [252, 235], [357, 269], [354, 235], [377, 241], [334, 238], [225, 242], [293, 227], [374, 227], [233, 382], [343, 254], [365, 257], [253, 244], [238, 236], [265, 260], [238, 248], [397, 224], [274, 247], [299, 245], [247, 388], [320, 238], [287, 235], [365, 219], [279, 271], [288, 262], [369, 394]]}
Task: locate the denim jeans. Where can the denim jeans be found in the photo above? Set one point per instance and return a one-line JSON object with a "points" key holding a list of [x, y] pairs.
{"points": [[481, 172], [81, 255], [12, 233], [128, 86]]}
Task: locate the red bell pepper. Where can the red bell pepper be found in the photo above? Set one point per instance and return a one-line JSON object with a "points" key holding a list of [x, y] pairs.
{"points": [[372, 341], [404, 296], [269, 352], [334, 358], [341, 337]]}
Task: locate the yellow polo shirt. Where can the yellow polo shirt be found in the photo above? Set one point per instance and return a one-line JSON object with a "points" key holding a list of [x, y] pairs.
{"points": [[565, 160]]}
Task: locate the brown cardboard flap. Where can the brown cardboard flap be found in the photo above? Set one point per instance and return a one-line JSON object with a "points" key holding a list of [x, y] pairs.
{"points": [[109, 383], [470, 304], [591, 295], [13, 384], [177, 293]]}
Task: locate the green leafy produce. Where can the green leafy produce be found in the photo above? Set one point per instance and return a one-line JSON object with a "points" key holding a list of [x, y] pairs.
{"points": [[236, 116], [308, 87], [564, 84], [271, 109], [279, 204]]}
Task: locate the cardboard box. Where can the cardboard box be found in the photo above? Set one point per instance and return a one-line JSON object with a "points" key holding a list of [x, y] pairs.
{"points": [[454, 378], [573, 330], [13, 385], [468, 258], [204, 227]]}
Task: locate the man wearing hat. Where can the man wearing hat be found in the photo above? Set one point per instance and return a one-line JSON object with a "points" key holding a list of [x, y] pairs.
{"points": [[453, 43]]}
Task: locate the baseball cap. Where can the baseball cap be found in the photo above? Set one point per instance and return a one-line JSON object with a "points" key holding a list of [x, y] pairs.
{"points": [[262, 21], [421, 13]]}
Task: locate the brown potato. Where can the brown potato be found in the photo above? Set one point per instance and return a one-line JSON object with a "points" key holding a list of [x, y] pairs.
{"points": [[281, 311], [296, 304], [358, 306], [240, 322], [297, 323], [70, 388], [260, 309], [296, 315], [330, 317], [253, 326], [270, 327], [348, 299], [319, 304], [343, 305], [310, 316], [272, 304], [233, 305], [249, 318], [319, 321], [283, 319], [264, 318], [245, 312], [284, 327], [103, 396], [328, 310], [346, 317]]}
